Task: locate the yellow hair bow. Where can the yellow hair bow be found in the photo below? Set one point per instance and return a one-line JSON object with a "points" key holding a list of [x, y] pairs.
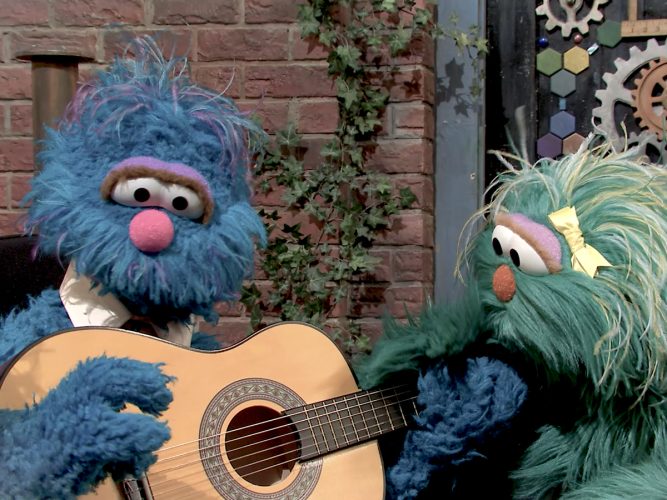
{"points": [[585, 258]]}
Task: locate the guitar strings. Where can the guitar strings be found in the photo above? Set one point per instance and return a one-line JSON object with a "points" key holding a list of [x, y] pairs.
{"points": [[291, 433], [217, 477], [282, 417]]}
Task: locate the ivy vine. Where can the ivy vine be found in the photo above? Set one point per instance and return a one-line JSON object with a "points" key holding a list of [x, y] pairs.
{"points": [[312, 273]]}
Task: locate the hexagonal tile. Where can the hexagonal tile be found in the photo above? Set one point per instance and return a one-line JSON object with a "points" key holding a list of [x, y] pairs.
{"points": [[571, 143], [549, 146], [563, 83], [561, 124], [549, 61], [609, 33], [575, 60]]}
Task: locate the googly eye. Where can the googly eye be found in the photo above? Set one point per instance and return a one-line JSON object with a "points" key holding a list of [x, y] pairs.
{"points": [[144, 191], [501, 240], [526, 258], [183, 201]]}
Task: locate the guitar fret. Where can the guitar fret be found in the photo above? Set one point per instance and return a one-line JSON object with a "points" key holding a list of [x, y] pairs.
{"points": [[328, 419], [339, 412], [400, 407], [361, 415], [354, 427], [386, 407], [337, 423], [375, 416]]}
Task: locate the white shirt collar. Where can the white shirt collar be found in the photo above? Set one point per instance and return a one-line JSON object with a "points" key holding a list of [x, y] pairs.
{"points": [[86, 307]]}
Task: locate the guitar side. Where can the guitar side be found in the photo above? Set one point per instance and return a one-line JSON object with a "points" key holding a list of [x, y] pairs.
{"points": [[277, 368]]}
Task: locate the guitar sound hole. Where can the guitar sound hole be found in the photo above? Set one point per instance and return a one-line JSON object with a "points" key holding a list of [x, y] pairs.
{"points": [[262, 445]]}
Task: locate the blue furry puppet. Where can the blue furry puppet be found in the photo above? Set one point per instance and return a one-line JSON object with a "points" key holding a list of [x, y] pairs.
{"points": [[567, 285], [144, 190]]}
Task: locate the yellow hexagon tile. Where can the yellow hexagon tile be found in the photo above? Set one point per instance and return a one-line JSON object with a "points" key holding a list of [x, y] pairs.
{"points": [[575, 60]]}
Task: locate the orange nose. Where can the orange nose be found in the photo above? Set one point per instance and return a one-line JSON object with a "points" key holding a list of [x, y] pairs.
{"points": [[504, 285]]}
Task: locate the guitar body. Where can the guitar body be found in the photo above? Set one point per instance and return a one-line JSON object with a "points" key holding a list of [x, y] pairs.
{"points": [[222, 393]]}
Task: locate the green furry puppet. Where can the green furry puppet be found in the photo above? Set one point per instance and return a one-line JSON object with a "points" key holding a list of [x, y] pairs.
{"points": [[567, 278]]}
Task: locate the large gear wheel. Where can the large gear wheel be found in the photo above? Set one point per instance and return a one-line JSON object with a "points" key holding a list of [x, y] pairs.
{"points": [[571, 9], [616, 93], [650, 97]]}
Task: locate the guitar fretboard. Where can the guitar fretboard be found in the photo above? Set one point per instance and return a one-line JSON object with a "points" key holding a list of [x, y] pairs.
{"points": [[337, 423]]}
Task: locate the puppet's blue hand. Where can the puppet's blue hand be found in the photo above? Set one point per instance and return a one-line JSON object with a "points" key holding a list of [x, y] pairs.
{"points": [[76, 435], [459, 413]]}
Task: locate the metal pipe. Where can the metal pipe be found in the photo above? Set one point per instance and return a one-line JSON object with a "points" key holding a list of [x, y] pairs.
{"points": [[54, 80]]}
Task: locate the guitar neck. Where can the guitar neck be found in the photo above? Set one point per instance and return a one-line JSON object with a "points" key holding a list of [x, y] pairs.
{"points": [[337, 423]]}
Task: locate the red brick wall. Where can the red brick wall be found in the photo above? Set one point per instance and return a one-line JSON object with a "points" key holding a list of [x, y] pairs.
{"points": [[253, 49]]}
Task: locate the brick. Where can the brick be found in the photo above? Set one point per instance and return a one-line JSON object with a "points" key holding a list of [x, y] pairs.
{"points": [[229, 309], [273, 115], [309, 225], [5, 182], [318, 117], [15, 82], [382, 271], [197, 11], [309, 49], [371, 328], [421, 187], [417, 84], [272, 198], [11, 223], [172, 41], [413, 264], [288, 81], [245, 44], [19, 187], [402, 156], [407, 300], [313, 147], [65, 42], [16, 155], [368, 299], [20, 119], [409, 229], [413, 119], [24, 12], [98, 12], [227, 79], [420, 51], [271, 11]]}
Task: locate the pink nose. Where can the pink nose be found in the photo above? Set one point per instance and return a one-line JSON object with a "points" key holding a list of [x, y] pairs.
{"points": [[151, 231]]}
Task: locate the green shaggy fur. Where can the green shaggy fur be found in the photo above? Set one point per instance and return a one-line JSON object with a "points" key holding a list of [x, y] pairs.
{"points": [[606, 336]]}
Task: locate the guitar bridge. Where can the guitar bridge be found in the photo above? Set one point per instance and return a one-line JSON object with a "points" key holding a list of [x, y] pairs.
{"points": [[136, 489]]}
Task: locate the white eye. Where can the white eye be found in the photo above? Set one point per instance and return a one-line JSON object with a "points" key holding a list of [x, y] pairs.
{"points": [[502, 240], [526, 258], [144, 191], [182, 201]]}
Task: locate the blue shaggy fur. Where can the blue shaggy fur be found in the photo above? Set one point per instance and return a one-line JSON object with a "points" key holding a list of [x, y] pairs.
{"points": [[141, 106], [461, 414], [76, 436]]}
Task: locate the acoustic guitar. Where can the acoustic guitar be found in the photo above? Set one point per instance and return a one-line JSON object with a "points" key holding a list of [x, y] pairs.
{"points": [[276, 416]]}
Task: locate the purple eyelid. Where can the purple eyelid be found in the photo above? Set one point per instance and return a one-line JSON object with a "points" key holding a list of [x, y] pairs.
{"points": [[539, 234], [156, 164]]}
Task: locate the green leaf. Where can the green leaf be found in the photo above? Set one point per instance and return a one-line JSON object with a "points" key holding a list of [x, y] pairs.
{"points": [[307, 22]]}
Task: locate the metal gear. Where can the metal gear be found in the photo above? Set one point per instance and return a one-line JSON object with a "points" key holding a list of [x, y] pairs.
{"points": [[571, 8], [616, 93], [650, 96]]}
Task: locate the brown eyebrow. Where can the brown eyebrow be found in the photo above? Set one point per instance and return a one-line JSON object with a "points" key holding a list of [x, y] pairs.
{"points": [[138, 171], [505, 219]]}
